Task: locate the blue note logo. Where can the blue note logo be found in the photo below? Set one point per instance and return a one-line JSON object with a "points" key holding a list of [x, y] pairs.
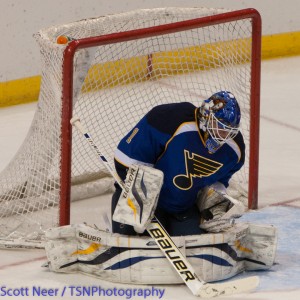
{"points": [[195, 166]]}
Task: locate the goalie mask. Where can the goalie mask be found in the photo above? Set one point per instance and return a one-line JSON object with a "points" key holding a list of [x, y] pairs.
{"points": [[219, 118]]}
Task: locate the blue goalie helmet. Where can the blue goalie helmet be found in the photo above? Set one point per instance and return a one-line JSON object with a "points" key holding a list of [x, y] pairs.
{"points": [[219, 117]]}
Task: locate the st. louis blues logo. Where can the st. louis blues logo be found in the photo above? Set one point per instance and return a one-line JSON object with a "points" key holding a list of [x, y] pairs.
{"points": [[195, 166]]}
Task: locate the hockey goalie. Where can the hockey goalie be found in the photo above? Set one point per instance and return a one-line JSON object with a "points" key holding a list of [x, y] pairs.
{"points": [[175, 166]]}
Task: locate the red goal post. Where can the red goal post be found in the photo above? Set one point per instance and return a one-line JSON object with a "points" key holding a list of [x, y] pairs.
{"points": [[114, 69], [154, 31]]}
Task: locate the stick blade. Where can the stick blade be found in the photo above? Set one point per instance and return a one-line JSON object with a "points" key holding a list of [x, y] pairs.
{"points": [[210, 290]]}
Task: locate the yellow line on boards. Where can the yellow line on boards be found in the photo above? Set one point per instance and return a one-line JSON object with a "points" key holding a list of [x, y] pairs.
{"points": [[26, 90], [19, 91]]}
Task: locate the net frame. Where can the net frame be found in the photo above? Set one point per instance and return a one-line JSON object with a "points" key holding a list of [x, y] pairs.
{"points": [[149, 32]]}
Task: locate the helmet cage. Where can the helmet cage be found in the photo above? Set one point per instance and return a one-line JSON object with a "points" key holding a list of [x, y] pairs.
{"points": [[219, 131]]}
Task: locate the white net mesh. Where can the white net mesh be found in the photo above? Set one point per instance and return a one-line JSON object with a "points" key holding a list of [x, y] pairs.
{"points": [[124, 80]]}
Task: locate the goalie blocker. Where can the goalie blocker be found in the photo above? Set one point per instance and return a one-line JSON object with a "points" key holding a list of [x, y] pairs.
{"points": [[138, 200], [138, 260]]}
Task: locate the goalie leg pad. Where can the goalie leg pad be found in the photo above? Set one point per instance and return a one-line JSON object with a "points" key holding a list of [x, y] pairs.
{"points": [[124, 259], [258, 247], [60, 248]]}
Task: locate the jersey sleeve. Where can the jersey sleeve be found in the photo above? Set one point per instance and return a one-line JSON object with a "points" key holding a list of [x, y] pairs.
{"points": [[239, 142], [225, 180], [145, 143], [142, 145]]}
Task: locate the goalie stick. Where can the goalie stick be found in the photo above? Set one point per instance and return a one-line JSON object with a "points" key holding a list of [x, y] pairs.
{"points": [[185, 270]]}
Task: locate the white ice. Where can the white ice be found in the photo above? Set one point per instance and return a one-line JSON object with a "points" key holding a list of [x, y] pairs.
{"points": [[279, 183]]}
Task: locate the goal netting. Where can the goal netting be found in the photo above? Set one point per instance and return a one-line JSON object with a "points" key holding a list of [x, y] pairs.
{"points": [[114, 69]]}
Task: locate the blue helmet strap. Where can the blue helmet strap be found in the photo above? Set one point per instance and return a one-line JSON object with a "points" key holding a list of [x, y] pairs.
{"points": [[212, 145]]}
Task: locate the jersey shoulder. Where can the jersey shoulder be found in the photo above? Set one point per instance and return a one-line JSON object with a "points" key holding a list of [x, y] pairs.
{"points": [[238, 145], [168, 117]]}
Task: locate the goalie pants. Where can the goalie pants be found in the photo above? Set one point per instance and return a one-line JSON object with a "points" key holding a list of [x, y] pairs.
{"points": [[176, 224]]}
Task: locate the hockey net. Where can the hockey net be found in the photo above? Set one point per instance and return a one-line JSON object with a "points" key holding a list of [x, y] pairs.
{"points": [[116, 69]]}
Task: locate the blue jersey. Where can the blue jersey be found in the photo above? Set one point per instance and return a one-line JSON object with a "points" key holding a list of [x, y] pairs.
{"points": [[168, 138]]}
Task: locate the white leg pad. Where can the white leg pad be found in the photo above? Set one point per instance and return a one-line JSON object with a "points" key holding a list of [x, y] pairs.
{"points": [[125, 259], [258, 247]]}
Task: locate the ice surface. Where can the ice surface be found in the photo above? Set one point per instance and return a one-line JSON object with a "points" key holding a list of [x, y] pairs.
{"points": [[279, 183]]}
